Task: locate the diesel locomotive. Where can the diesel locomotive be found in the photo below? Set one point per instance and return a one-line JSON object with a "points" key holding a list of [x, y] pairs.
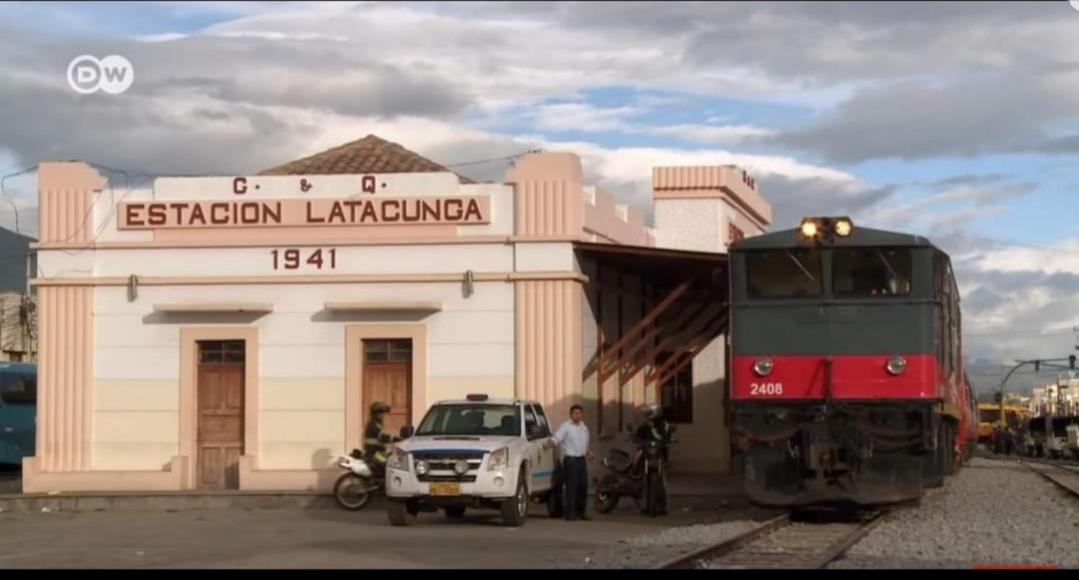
{"points": [[847, 378]]}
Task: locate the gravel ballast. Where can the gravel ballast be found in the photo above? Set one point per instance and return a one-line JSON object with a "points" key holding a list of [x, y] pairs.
{"points": [[992, 513], [650, 550]]}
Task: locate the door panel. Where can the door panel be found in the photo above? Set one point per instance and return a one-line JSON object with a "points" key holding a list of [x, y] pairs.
{"points": [[544, 463], [220, 424], [387, 377]]}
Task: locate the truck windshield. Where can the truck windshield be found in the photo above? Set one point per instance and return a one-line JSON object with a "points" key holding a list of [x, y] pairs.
{"points": [[474, 420], [794, 273], [18, 388]]}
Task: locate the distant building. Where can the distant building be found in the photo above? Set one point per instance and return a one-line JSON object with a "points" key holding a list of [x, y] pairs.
{"points": [[1058, 399], [17, 308]]}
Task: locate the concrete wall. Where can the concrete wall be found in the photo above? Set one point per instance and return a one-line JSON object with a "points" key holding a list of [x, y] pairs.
{"points": [[302, 363]]}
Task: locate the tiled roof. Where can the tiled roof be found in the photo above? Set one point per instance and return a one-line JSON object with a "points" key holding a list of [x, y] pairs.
{"points": [[368, 155]]}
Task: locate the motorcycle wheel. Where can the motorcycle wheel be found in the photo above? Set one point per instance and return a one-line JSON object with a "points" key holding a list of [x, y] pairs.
{"points": [[606, 498], [352, 492], [606, 501]]}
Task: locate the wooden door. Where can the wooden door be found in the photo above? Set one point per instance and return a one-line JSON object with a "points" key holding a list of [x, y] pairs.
{"points": [[387, 377], [221, 413]]}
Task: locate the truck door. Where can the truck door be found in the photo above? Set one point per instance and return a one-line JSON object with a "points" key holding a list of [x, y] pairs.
{"points": [[539, 433]]}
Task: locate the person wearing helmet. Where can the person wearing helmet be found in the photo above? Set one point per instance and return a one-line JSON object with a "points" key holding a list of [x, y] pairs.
{"points": [[375, 437], [656, 428]]}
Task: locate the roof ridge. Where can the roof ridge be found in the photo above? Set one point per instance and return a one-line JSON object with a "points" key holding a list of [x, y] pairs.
{"points": [[368, 154]]}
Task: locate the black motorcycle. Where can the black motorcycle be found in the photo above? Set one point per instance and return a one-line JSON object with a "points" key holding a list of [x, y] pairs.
{"points": [[640, 475]]}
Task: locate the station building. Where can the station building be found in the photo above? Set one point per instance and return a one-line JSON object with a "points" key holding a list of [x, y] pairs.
{"points": [[230, 332]]}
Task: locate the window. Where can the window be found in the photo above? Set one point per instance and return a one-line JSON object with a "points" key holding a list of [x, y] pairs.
{"points": [[221, 351], [872, 271], [18, 390], [472, 420], [794, 273], [398, 350], [532, 421], [541, 417], [676, 393], [734, 233]]}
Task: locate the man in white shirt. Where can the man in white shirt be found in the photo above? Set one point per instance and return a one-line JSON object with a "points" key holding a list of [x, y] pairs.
{"points": [[572, 439]]}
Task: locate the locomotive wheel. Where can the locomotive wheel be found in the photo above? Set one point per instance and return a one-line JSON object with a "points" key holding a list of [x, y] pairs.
{"points": [[933, 462], [950, 460]]}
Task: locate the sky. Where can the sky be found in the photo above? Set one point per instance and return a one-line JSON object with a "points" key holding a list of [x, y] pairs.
{"points": [[959, 120]]}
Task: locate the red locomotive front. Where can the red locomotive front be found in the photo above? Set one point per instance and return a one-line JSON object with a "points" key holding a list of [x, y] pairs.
{"points": [[846, 378]]}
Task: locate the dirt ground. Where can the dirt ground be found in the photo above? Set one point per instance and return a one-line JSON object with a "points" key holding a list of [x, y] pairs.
{"points": [[294, 538]]}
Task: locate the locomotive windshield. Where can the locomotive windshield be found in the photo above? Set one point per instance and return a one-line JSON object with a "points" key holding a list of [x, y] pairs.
{"points": [[794, 273], [871, 271]]}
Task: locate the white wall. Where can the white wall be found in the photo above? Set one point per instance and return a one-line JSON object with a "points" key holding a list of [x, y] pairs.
{"points": [[690, 224], [302, 362]]}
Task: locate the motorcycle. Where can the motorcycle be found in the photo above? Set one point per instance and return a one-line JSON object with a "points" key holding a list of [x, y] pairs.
{"points": [[354, 488], [640, 475]]}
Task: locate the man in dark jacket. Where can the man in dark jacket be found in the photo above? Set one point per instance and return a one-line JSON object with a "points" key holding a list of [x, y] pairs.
{"points": [[656, 428], [375, 437]]}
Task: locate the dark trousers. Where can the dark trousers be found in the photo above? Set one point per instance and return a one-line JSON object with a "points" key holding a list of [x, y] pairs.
{"points": [[575, 474]]}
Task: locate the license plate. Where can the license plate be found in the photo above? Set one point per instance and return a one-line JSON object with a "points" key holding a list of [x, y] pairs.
{"points": [[445, 489]]}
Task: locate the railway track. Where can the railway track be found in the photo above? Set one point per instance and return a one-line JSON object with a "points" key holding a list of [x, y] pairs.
{"points": [[1065, 477], [782, 543]]}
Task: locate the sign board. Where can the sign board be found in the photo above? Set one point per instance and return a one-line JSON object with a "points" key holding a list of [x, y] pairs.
{"points": [[301, 212]]}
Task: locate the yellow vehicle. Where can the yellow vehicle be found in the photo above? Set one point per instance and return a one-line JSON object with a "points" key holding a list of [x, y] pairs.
{"points": [[989, 418]]}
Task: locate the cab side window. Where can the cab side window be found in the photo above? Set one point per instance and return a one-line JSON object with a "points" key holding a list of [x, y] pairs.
{"points": [[541, 418], [530, 422]]}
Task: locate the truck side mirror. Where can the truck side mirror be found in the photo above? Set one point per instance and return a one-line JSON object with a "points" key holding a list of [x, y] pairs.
{"points": [[407, 432]]}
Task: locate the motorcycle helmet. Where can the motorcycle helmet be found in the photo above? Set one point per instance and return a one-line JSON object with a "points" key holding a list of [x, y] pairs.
{"points": [[379, 407], [651, 411]]}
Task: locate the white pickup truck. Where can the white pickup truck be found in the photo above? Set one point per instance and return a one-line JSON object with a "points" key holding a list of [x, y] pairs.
{"points": [[474, 453]]}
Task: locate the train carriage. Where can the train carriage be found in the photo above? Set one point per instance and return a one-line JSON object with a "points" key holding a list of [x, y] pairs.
{"points": [[847, 380]]}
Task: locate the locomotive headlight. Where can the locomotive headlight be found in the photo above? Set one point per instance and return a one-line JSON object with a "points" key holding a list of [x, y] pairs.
{"points": [[896, 365], [843, 227], [763, 367], [809, 228]]}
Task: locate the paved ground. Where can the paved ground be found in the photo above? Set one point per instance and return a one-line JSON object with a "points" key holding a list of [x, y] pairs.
{"points": [[10, 482], [290, 538]]}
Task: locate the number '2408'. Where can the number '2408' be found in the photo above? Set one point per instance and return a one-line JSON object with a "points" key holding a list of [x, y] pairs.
{"points": [[765, 389]]}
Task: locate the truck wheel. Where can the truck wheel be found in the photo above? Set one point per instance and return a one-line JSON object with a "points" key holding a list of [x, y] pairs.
{"points": [[454, 513], [397, 512], [515, 509]]}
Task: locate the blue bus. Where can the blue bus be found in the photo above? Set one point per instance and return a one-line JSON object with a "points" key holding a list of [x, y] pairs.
{"points": [[18, 406]]}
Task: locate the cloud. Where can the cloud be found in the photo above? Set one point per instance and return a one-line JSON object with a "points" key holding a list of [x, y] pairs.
{"points": [[713, 133], [582, 117], [918, 120], [953, 202], [161, 37], [201, 104]]}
